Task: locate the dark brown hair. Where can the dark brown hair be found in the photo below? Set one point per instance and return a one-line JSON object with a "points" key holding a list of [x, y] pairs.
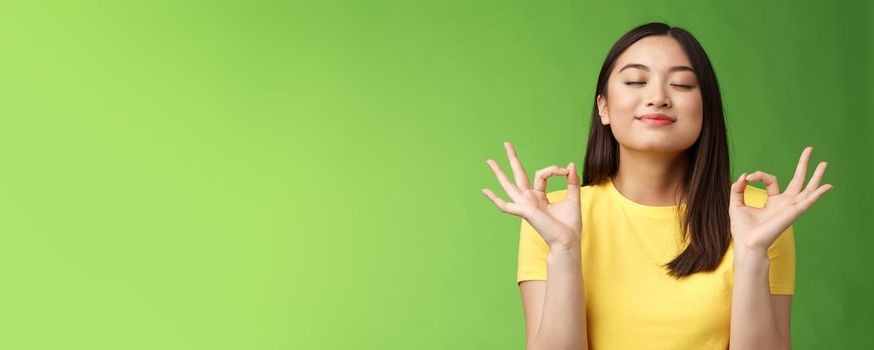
{"points": [[705, 185]]}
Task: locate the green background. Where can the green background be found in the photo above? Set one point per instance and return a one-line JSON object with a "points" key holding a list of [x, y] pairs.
{"points": [[307, 175]]}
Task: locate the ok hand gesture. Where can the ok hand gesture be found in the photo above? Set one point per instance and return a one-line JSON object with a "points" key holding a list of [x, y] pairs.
{"points": [[755, 229], [560, 224]]}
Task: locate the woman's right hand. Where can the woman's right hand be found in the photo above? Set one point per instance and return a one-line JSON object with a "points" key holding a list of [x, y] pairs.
{"points": [[560, 224]]}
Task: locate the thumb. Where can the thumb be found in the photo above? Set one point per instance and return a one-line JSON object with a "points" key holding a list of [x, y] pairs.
{"points": [[737, 191], [573, 183]]}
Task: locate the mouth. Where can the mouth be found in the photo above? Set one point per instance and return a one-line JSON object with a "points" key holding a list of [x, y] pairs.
{"points": [[656, 119]]}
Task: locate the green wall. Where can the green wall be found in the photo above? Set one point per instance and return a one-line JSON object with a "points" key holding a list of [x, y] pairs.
{"points": [[275, 175]]}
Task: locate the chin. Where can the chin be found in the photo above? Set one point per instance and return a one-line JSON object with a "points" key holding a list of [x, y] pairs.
{"points": [[661, 148]]}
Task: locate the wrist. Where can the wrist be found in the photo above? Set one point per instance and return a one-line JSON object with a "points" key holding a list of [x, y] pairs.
{"points": [[744, 256], [565, 247], [562, 256]]}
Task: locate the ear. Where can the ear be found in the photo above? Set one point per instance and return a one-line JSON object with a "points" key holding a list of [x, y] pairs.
{"points": [[602, 110]]}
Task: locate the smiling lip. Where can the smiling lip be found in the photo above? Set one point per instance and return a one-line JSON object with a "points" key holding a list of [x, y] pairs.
{"points": [[656, 118]]}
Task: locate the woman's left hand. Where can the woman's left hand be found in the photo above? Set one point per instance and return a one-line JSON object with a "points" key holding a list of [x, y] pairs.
{"points": [[755, 229]]}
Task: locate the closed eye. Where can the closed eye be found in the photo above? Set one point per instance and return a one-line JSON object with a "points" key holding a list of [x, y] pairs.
{"points": [[641, 83]]}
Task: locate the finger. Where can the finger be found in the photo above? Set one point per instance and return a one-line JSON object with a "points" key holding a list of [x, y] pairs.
{"points": [[737, 191], [769, 180], [508, 187], [573, 183], [541, 175], [500, 203], [816, 178], [518, 171], [807, 202], [800, 172]]}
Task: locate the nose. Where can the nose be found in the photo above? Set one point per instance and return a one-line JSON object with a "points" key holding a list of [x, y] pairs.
{"points": [[657, 97]]}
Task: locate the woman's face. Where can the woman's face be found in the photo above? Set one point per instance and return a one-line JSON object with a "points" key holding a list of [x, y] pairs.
{"points": [[653, 76]]}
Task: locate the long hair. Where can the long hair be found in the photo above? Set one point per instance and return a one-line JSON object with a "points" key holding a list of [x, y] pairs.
{"points": [[705, 185]]}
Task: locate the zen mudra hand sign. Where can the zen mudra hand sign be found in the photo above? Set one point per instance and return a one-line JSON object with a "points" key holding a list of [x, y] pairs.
{"points": [[752, 229], [560, 224], [755, 229]]}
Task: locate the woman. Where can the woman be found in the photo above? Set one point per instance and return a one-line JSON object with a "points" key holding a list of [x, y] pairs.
{"points": [[658, 249]]}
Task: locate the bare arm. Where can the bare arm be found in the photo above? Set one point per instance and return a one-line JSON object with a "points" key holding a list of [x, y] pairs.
{"points": [[754, 324], [758, 320], [555, 310]]}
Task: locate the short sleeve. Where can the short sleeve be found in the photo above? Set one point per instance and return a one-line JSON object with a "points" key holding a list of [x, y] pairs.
{"points": [[781, 253], [532, 254]]}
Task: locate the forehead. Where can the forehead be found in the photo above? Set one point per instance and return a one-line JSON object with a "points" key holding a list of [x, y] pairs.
{"points": [[658, 52]]}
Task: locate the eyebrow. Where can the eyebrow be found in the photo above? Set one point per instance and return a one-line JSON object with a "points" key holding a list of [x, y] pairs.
{"points": [[673, 69]]}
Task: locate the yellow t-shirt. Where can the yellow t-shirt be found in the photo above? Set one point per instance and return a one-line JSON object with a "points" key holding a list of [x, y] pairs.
{"points": [[631, 302]]}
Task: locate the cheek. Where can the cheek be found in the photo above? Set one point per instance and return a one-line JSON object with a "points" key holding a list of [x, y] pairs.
{"points": [[692, 126], [690, 105], [624, 105], [691, 109], [622, 98]]}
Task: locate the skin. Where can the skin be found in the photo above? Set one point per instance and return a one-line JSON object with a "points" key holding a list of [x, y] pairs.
{"points": [[555, 315], [653, 159], [753, 231]]}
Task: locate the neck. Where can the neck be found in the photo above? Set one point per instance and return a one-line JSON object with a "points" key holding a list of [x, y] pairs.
{"points": [[650, 178]]}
